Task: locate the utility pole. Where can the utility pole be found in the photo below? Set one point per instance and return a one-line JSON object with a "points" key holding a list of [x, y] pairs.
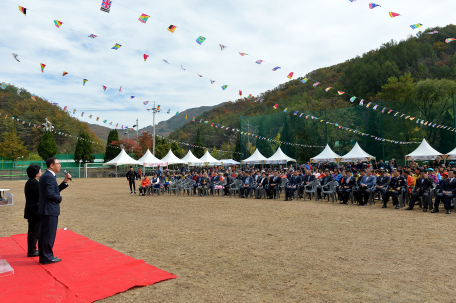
{"points": [[454, 118], [154, 111], [248, 131], [137, 129], [326, 124], [383, 141]]}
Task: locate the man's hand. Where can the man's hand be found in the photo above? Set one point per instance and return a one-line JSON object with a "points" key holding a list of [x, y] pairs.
{"points": [[364, 185], [398, 188], [418, 190], [67, 178], [379, 187]]}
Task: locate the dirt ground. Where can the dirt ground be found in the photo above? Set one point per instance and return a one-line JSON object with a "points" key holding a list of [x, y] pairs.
{"points": [[247, 250]]}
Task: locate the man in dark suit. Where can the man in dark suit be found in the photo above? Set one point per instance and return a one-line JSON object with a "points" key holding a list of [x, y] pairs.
{"points": [[422, 188], [49, 209], [203, 184], [395, 187], [274, 183], [346, 186], [131, 177], [227, 186], [295, 182], [215, 180], [247, 184], [323, 183], [261, 186], [448, 192], [366, 183], [306, 181], [382, 183], [32, 198]]}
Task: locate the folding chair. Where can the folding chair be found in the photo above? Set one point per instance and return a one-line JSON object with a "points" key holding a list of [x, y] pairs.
{"points": [[331, 191], [235, 187], [313, 189]]}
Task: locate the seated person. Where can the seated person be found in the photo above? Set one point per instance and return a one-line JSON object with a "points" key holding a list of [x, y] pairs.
{"points": [[214, 181], [295, 182], [229, 180], [155, 182], [203, 184], [422, 188], [145, 183], [346, 186], [247, 184], [274, 183], [261, 186]]}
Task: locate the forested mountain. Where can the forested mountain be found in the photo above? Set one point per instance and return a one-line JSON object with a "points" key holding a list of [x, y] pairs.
{"points": [[415, 76], [22, 107]]}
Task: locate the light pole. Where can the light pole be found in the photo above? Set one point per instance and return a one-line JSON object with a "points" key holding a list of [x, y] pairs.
{"points": [[154, 111], [48, 125], [137, 126]]}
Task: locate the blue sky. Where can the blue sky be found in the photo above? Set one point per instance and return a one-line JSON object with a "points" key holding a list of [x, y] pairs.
{"points": [[299, 36]]}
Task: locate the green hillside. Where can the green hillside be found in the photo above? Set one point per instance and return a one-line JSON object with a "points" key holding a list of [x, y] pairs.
{"points": [[415, 75], [22, 107]]}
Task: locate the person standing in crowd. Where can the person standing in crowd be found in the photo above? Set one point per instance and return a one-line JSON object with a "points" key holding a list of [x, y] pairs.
{"points": [[447, 193], [32, 198], [139, 174], [145, 183], [346, 186], [49, 209], [422, 188], [131, 177], [395, 187]]}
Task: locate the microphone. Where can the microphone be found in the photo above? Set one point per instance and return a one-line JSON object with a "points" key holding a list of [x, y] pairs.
{"points": [[65, 172]]}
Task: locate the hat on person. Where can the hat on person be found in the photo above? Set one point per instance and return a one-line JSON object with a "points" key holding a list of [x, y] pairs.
{"points": [[429, 169], [445, 174], [381, 170]]}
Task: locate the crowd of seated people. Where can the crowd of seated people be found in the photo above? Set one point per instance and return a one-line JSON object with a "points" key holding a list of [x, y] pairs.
{"points": [[359, 181]]}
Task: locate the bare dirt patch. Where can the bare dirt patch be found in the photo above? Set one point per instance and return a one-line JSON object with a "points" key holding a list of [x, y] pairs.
{"points": [[247, 250]]}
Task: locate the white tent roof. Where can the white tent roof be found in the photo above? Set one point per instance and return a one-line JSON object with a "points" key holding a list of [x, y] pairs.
{"points": [[229, 162], [452, 154], [423, 152], [150, 160], [190, 158], [122, 159], [255, 158], [279, 157], [327, 155], [357, 153], [171, 159], [208, 159]]}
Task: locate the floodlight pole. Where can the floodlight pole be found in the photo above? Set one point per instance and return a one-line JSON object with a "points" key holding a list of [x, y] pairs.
{"points": [[154, 111]]}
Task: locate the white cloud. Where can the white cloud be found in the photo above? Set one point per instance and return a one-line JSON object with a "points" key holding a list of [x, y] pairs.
{"points": [[299, 36]]}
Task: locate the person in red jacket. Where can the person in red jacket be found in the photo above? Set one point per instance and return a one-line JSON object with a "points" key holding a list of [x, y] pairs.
{"points": [[144, 185]]}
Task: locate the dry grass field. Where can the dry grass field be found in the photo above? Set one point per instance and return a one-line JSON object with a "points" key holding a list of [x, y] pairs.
{"points": [[247, 250]]}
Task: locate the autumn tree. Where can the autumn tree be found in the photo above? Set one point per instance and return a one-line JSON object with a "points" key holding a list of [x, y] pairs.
{"points": [[12, 148]]}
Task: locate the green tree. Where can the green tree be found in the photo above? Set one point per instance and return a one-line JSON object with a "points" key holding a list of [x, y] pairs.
{"points": [[112, 152], [215, 153], [83, 150], [176, 149], [12, 148], [199, 150], [47, 147], [398, 89]]}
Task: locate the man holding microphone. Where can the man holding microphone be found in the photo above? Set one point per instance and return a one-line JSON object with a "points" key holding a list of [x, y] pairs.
{"points": [[49, 209]]}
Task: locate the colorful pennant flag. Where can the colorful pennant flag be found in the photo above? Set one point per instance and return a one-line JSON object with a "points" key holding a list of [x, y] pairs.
{"points": [[361, 102], [120, 89], [199, 75], [290, 75], [64, 74], [414, 26], [90, 116], [275, 106], [449, 40], [84, 82], [390, 111], [295, 113], [316, 84], [327, 89], [434, 32], [42, 67], [240, 92], [392, 15], [82, 114], [171, 28], [212, 81], [58, 23], [304, 80], [186, 117], [177, 114], [259, 61], [373, 5], [222, 47], [340, 93], [23, 10], [285, 110], [368, 104], [104, 121], [276, 68], [116, 47], [143, 18], [375, 107], [92, 36], [132, 97], [15, 57], [352, 98], [383, 110], [145, 57], [243, 54], [261, 100], [74, 111], [200, 40], [106, 6], [158, 107], [104, 88], [64, 109], [98, 118], [182, 67], [250, 96], [224, 87]]}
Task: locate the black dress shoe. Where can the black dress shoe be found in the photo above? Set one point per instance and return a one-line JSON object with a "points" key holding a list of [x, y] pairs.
{"points": [[435, 210], [384, 206], [397, 207], [424, 210], [286, 199], [56, 260], [410, 208], [35, 254], [448, 212]]}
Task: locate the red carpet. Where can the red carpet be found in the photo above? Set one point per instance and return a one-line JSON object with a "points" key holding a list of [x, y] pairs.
{"points": [[89, 271]]}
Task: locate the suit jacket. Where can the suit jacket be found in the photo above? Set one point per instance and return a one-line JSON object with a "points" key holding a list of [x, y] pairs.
{"points": [[251, 181], [308, 178], [350, 184], [383, 181], [229, 180], [326, 180], [49, 195], [295, 181], [450, 186], [215, 179], [32, 199], [369, 181], [208, 181], [275, 180], [263, 183], [425, 185]]}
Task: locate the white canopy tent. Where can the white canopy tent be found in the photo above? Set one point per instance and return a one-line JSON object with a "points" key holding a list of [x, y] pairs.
{"points": [[207, 159], [190, 159], [423, 152], [451, 155], [279, 157], [122, 159], [149, 160], [255, 158], [229, 162], [327, 155], [171, 159], [357, 153]]}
